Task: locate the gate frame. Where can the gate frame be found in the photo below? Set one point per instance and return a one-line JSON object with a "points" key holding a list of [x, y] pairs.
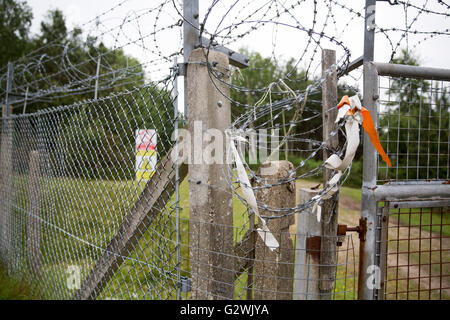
{"points": [[370, 250]]}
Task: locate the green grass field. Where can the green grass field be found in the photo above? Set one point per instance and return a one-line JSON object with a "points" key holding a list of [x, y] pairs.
{"points": [[13, 289]]}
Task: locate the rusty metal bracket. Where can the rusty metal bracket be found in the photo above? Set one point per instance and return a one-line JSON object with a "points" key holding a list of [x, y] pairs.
{"points": [[361, 230], [313, 245]]}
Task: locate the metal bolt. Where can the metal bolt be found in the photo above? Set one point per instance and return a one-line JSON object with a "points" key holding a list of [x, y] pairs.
{"points": [[375, 96], [195, 15], [219, 103]]}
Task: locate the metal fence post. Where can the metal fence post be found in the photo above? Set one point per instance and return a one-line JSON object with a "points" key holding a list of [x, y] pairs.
{"points": [[368, 202], [367, 290], [34, 211], [97, 75], [329, 220], [210, 197]]}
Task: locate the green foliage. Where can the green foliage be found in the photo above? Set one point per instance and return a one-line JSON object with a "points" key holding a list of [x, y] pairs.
{"points": [[13, 289], [15, 22]]}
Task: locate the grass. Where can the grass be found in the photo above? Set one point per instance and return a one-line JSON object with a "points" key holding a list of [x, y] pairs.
{"points": [[435, 221], [11, 289], [353, 193]]}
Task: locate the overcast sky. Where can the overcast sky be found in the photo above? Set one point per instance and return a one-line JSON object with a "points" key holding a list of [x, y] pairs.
{"points": [[270, 40]]}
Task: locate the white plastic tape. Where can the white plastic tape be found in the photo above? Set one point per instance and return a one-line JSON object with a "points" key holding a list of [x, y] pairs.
{"points": [[352, 131], [266, 235]]}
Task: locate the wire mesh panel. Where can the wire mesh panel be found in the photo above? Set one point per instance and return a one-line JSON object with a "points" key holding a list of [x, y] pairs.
{"points": [[91, 199], [412, 195], [417, 256], [414, 129]]}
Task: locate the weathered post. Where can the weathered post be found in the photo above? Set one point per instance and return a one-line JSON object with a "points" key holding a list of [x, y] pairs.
{"points": [[6, 170], [274, 270], [34, 214], [307, 262], [328, 254], [368, 245], [210, 197]]}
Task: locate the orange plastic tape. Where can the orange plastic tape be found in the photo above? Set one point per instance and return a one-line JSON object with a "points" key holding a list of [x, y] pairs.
{"points": [[369, 128], [343, 101]]}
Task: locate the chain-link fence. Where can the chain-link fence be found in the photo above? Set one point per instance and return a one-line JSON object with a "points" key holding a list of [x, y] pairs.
{"points": [[94, 205], [78, 213]]}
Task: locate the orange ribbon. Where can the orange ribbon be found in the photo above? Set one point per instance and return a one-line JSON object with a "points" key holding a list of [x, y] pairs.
{"points": [[368, 126]]}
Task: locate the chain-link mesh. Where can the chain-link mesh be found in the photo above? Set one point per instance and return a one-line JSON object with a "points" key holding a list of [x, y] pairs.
{"points": [[89, 212], [70, 180]]}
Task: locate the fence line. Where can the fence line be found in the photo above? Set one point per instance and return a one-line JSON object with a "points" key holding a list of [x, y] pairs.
{"points": [[95, 206]]}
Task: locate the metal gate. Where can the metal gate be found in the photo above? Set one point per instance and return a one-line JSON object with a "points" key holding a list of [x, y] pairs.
{"points": [[406, 252]]}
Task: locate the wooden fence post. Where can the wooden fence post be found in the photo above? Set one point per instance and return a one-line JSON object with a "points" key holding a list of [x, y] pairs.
{"points": [[34, 209], [210, 198], [274, 270], [328, 254]]}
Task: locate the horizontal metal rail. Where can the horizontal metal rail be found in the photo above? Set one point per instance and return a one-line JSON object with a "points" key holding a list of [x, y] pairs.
{"points": [[405, 71], [402, 192]]}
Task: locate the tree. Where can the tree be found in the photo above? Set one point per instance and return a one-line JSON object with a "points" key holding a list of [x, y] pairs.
{"points": [[15, 22], [65, 66]]}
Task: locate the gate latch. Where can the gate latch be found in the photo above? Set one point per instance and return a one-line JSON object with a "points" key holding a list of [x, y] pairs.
{"points": [[343, 229]]}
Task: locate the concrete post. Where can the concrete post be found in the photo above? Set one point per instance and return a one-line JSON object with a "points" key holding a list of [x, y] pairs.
{"points": [[34, 209], [307, 262], [210, 198], [6, 180], [367, 247], [274, 270]]}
